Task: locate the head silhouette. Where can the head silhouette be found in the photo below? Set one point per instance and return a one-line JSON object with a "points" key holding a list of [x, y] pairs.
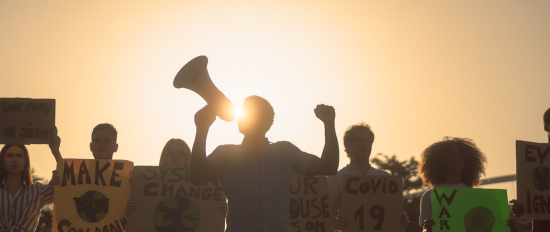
{"points": [[176, 153], [103, 143], [546, 120], [358, 140], [257, 116], [452, 155], [8, 154]]}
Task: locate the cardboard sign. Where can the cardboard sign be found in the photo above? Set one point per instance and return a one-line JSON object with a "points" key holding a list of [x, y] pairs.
{"points": [[309, 206], [533, 183], [372, 203], [92, 196], [168, 202], [468, 209], [26, 120]]}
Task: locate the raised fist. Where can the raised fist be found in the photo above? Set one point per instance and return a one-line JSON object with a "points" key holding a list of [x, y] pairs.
{"points": [[325, 113]]}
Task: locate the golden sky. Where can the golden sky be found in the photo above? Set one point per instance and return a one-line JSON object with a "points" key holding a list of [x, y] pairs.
{"points": [[416, 71]]}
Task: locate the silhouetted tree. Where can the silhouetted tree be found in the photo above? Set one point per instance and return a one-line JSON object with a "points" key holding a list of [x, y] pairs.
{"points": [[412, 184]]}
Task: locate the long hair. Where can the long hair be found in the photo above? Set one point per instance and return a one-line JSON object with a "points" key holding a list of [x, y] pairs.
{"points": [[26, 174], [432, 169], [165, 150]]}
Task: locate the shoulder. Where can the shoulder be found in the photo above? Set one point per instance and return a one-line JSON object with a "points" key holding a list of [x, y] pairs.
{"points": [[379, 172], [40, 187], [339, 174], [427, 196], [37, 185], [285, 146], [225, 149], [383, 173]]}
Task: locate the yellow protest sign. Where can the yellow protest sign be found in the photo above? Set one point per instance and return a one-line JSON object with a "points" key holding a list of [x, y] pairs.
{"points": [[372, 203], [167, 202], [533, 178], [92, 195], [309, 209]]}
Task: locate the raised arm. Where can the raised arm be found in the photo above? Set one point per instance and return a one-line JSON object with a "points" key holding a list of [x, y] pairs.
{"points": [[202, 170], [328, 163], [55, 143]]}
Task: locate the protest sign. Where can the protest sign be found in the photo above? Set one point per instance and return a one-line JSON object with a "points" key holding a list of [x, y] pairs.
{"points": [[309, 204], [26, 120], [372, 203], [533, 178], [92, 195], [167, 202], [469, 210]]}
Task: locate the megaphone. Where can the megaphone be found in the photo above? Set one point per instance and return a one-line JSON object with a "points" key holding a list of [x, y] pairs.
{"points": [[194, 76]]}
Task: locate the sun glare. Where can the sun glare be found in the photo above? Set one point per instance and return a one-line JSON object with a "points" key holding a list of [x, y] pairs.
{"points": [[238, 111]]}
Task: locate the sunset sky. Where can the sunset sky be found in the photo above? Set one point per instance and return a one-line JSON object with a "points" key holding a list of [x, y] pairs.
{"points": [[416, 71]]}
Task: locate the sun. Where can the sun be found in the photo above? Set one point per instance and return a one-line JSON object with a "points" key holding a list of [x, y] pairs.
{"points": [[238, 111]]}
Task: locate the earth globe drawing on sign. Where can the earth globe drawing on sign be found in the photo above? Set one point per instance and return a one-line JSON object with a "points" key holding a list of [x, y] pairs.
{"points": [[176, 214], [541, 178], [92, 206], [479, 219]]}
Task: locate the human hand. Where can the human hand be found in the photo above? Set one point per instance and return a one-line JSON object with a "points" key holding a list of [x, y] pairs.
{"points": [[341, 223], [428, 223], [405, 219], [223, 209], [517, 208], [55, 178], [205, 117], [55, 142], [325, 113]]}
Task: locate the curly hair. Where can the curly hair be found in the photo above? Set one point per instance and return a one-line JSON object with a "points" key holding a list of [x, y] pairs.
{"points": [[352, 130], [432, 169]]}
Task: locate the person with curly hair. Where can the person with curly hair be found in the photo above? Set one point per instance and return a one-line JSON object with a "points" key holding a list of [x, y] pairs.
{"points": [[450, 163]]}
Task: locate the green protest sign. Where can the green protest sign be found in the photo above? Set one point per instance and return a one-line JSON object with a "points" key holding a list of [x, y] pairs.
{"points": [[470, 210]]}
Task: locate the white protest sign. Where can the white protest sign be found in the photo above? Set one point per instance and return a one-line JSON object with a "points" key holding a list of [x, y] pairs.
{"points": [[26, 120], [309, 204], [372, 203], [533, 178], [167, 202]]}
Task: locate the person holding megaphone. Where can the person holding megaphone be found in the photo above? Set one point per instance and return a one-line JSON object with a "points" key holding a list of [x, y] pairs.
{"points": [[256, 174]]}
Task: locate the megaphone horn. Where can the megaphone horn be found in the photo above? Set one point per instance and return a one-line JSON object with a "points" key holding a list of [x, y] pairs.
{"points": [[194, 76]]}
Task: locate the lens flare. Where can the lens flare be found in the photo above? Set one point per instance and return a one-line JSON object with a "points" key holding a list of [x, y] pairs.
{"points": [[238, 111]]}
